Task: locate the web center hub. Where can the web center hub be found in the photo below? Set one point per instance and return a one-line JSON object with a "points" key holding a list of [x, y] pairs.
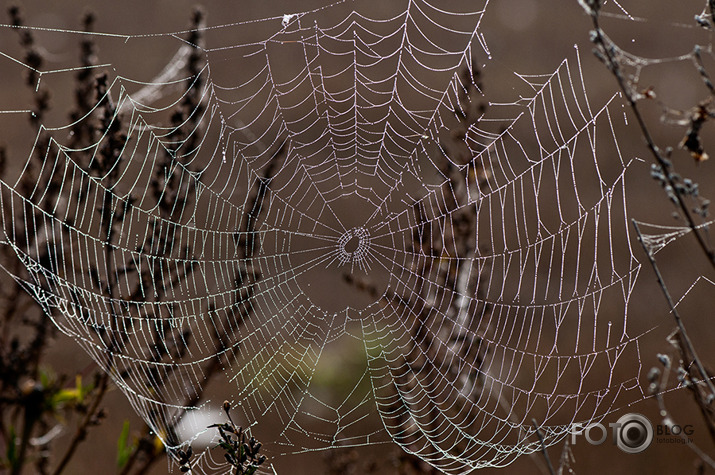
{"points": [[353, 246]]}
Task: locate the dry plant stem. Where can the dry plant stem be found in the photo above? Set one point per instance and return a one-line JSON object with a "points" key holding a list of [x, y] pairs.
{"points": [[214, 365], [29, 423], [609, 58], [543, 447], [258, 194], [144, 468], [701, 70], [685, 339], [566, 459], [703, 402], [665, 414], [35, 412], [81, 431]]}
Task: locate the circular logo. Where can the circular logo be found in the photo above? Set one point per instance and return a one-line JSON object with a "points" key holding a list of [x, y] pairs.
{"points": [[634, 433]]}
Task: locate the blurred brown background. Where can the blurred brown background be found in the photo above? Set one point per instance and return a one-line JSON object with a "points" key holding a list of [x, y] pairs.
{"points": [[524, 36]]}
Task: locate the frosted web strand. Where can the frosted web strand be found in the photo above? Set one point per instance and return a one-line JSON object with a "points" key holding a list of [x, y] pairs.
{"points": [[336, 180]]}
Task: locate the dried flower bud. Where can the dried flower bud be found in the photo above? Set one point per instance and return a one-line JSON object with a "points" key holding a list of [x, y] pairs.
{"points": [[653, 374]]}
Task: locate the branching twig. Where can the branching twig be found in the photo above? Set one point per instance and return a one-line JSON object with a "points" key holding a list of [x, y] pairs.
{"points": [[657, 388], [607, 53], [681, 328]]}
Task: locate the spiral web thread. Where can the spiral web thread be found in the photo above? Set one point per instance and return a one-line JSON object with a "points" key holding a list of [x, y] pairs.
{"points": [[467, 258]]}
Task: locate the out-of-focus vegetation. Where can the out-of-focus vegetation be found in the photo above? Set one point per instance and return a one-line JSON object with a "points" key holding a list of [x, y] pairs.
{"points": [[45, 416]]}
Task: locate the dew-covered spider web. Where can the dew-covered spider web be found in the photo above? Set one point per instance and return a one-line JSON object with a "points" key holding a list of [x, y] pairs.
{"points": [[292, 190]]}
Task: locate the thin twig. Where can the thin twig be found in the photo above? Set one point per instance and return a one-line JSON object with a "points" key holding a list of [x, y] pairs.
{"points": [[668, 420], [681, 328], [543, 447], [698, 60], [607, 54], [686, 348]]}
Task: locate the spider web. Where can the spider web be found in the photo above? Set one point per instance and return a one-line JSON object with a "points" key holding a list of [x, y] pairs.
{"points": [[340, 189]]}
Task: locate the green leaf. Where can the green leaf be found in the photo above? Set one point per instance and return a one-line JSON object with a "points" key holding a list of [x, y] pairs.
{"points": [[124, 450], [73, 395], [65, 395], [81, 390], [46, 377]]}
